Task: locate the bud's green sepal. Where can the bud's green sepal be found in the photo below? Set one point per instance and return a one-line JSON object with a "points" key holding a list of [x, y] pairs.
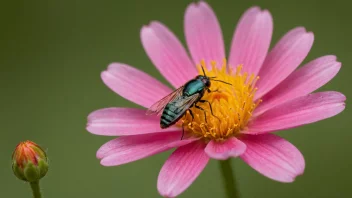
{"points": [[30, 162]]}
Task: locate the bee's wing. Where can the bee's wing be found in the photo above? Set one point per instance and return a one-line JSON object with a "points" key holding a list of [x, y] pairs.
{"points": [[157, 107], [183, 103]]}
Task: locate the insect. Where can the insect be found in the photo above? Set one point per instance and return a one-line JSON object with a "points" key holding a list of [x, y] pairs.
{"points": [[173, 106]]}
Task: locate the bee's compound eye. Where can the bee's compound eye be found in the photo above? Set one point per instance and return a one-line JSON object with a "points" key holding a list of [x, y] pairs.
{"points": [[207, 83]]}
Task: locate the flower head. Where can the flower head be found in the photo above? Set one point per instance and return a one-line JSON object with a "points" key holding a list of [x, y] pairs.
{"points": [[29, 161], [267, 93], [229, 107]]}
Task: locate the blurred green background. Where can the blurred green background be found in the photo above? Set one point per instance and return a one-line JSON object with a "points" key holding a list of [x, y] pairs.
{"points": [[52, 53]]}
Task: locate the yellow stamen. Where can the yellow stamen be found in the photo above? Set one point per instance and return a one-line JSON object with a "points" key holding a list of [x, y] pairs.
{"points": [[232, 104]]}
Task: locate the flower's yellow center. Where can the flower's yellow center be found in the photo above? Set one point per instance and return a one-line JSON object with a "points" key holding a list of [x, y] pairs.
{"points": [[232, 105]]}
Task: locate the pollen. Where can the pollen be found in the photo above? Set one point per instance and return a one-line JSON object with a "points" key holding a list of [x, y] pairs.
{"points": [[232, 105]]}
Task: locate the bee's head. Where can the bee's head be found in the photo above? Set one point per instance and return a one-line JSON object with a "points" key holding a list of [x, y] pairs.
{"points": [[204, 79]]}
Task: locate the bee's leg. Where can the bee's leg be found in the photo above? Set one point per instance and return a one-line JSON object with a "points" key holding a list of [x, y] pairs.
{"points": [[216, 90], [211, 108], [183, 126], [183, 131], [205, 115], [190, 112]]}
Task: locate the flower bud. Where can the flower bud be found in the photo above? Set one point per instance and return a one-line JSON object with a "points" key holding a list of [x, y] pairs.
{"points": [[29, 161]]}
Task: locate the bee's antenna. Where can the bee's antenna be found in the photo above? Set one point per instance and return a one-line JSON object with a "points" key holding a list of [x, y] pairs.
{"points": [[204, 72], [223, 82]]}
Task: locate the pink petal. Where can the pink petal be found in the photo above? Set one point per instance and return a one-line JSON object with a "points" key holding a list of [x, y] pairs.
{"points": [[181, 169], [301, 82], [203, 34], [167, 54], [223, 150], [134, 84], [131, 148], [251, 40], [283, 59], [273, 157], [124, 121], [299, 111]]}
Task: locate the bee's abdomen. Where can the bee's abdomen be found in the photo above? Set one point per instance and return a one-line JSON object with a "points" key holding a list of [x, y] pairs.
{"points": [[170, 115]]}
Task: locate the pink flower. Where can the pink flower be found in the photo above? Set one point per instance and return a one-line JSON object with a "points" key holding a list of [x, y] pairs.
{"points": [[281, 101]]}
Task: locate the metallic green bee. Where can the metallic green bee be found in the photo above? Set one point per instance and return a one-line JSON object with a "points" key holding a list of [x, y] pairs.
{"points": [[176, 104]]}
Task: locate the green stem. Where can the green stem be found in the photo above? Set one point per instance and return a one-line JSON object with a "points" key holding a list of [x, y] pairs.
{"points": [[36, 189], [228, 179]]}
